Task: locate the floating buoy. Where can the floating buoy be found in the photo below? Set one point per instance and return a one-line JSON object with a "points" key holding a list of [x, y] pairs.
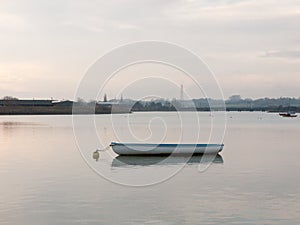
{"points": [[96, 155]]}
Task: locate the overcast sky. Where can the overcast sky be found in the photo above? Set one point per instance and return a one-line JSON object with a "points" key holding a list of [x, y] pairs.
{"points": [[252, 46]]}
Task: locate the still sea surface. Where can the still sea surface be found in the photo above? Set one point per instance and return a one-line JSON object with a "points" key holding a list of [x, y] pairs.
{"points": [[49, 175]]}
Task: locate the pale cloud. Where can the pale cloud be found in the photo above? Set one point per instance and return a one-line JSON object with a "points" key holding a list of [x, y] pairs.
{"points": [[144, 79], [248, 9], [261, 84], [127, 26], [25, 79], [13, 75], [283, 54], [49, 44], [91, 27], [12, 22]]}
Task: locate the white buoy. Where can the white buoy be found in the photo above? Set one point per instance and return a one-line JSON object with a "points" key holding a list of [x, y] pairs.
{"points": [[96, 155]]}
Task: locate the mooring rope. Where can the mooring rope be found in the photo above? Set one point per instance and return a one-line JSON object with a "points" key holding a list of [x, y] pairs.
{"points": [[103, 150]]}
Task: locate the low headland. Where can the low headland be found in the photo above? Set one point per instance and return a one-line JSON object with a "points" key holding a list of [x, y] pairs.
{"points": [[14, 106]]}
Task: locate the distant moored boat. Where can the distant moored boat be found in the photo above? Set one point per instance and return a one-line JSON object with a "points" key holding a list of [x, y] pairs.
{"points": [[288, 114]]}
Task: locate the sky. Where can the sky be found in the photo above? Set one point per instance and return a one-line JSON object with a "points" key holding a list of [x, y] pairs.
{"points": [[252, 46]]}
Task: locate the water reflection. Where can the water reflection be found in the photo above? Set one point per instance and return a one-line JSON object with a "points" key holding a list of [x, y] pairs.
{"points": [[123, 161], [17, 124]]}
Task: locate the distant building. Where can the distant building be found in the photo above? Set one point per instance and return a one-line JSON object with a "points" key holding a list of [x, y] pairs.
{"points": [[16, 102], [66, 103]]}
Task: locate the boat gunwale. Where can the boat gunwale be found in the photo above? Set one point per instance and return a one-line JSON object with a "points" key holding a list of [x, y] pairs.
{"points": [[165, 145]]}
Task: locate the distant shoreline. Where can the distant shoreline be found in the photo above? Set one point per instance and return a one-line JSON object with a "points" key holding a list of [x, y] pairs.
{"points": [[53, 110], [6, 111], [13, 106]]}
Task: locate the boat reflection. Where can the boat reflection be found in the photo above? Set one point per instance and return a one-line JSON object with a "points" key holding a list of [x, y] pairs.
{"points": [[124, 161]]}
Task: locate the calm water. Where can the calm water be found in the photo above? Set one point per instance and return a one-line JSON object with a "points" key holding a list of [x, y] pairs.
{"points": [[45, 180]]}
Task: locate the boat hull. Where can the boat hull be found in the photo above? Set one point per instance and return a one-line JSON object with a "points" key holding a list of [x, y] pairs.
{"points": [[164, 149]]}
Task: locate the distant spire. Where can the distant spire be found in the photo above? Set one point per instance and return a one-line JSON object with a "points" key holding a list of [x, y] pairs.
{"points": [[105, 98]]}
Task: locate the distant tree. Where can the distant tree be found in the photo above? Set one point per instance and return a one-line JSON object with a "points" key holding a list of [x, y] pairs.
{"points": [[92, 102], [235, 98], [105, 98], [9, 98], [80, 100], [137, 106]]}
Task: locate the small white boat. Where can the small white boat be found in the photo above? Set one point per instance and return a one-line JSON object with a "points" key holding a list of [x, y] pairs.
{"points": [[164, 149]]}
